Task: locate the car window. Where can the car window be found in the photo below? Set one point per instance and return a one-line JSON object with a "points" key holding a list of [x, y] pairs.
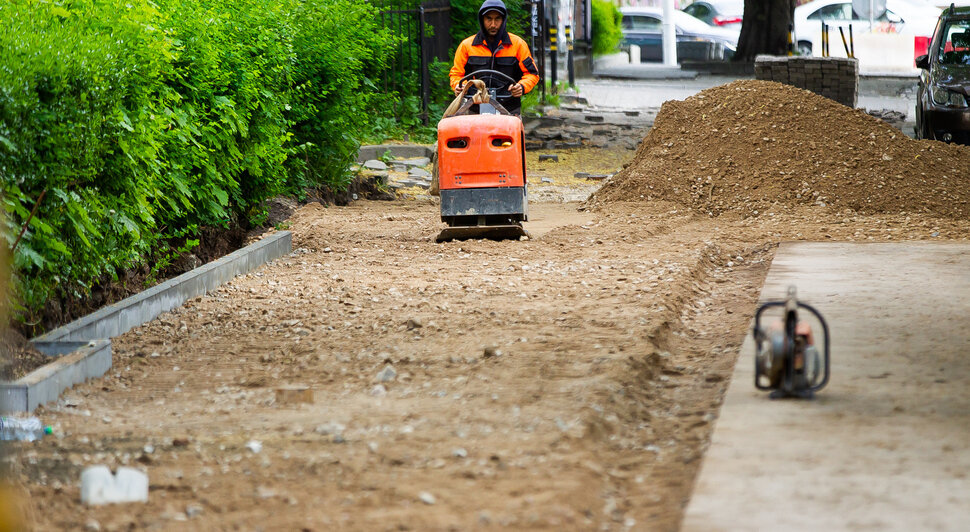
{"points": [[698, 10], [641, 23], [955, 44], [833, 12]]}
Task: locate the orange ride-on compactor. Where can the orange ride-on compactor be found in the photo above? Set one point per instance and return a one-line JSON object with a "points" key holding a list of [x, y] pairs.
{"points": [[481, 167]]}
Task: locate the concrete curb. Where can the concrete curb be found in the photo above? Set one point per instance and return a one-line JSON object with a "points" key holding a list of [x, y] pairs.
{"points": [[83, 347], [143, 307], [367, 153], [76, 362]]}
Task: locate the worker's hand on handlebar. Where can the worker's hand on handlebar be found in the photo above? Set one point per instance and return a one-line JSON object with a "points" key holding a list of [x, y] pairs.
{"points": [[458, 89], [516, 89]]}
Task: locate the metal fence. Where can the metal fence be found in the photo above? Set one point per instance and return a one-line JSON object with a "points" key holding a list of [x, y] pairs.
{"points": [[424, 33]]}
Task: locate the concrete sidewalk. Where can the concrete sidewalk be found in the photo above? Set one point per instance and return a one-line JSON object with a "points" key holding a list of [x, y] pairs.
{"points": [[885, 445]]}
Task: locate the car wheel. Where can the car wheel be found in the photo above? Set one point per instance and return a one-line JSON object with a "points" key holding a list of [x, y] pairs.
{"points": [[804, 48]]}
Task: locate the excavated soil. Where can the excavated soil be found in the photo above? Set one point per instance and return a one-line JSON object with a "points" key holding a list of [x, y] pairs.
{"points": [[17, 356], [568, 382], [755, 147]]}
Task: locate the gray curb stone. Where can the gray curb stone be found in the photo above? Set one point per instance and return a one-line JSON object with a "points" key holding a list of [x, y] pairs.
{"points": [[76, 362], [83, 347], [119, 318]]}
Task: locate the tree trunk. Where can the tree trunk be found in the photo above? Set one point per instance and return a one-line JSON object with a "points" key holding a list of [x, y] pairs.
{"points": [[764, 29]]}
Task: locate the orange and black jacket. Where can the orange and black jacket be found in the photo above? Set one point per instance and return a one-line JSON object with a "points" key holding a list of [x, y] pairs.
{"points": [[508, 54]]}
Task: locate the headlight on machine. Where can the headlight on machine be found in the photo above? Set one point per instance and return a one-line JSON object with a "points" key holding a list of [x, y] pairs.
{"points": [[943, 96]]}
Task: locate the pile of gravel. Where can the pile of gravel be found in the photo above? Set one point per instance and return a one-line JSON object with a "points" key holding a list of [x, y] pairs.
{"points": [[758, 146]]}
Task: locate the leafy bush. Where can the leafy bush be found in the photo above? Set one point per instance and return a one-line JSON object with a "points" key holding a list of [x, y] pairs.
{"points": [[80, 126], [607, 30], [340, 52], [131, 124]]}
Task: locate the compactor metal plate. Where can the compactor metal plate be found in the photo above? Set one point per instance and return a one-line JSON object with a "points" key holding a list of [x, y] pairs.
{"points": [[490, 232]]}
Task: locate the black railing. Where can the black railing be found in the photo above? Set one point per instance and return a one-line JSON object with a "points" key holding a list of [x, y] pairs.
{"points": [[424, 37]]}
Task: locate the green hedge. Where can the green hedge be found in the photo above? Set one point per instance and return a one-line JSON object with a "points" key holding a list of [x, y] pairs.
{"points": [[139, 122], [607, 31]]}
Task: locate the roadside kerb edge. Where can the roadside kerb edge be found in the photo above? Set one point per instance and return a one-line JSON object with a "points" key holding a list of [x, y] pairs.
{"points": [[83, 347], [119, 318]]}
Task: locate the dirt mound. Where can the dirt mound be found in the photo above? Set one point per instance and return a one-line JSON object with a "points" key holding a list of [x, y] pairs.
{"points": [[759, 146], [17, 356]]}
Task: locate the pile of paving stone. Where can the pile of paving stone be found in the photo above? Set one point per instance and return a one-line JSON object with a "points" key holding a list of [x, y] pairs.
{"points": [[833, 77]]}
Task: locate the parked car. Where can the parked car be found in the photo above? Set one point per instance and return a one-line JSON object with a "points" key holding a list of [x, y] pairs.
{"points": [[726, 14], [696, 40], [906, 17], [943, 93]]}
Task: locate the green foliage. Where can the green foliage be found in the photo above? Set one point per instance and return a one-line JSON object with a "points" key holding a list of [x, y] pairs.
{"points": [[464, 19], [532, 101], [140, 121], [607, 30], [340, 51], [83, 122]]}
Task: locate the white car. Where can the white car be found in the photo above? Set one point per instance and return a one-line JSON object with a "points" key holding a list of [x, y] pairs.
{"points": [[696, 40], [904, 17], [725, 14]]}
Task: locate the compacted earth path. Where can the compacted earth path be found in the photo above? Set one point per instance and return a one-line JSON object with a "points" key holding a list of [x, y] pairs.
{"points": [[565, 382]]}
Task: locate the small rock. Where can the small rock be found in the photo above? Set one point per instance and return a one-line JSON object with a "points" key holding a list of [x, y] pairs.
{"points": [[417, 161], [419, 172], [492, 351], [99, 486], [375, 164], [294, 394], [387, 374], [460, 453], [92, 525], [329, 428], [427, 498], [548, 157], [547, 180], [255, 446], [378, 391], [193, 510], [414, 323]]}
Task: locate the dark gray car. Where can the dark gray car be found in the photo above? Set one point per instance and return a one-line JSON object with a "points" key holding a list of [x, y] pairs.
{"points": [[943, 95]]}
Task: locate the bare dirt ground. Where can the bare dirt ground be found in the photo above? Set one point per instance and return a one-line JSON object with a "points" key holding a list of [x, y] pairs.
{"points": [[567, 382]]}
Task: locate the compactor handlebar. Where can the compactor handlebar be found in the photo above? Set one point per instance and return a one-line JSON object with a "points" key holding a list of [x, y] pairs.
{"points": [[493, 82]]}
